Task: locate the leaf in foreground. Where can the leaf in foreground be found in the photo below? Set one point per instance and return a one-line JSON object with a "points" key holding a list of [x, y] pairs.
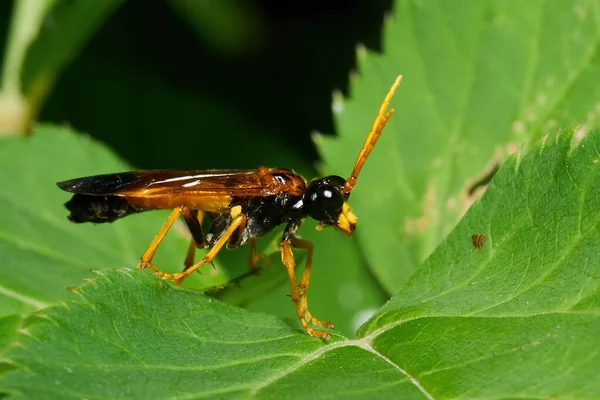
{"points": [[139, 337], [518, 318]]}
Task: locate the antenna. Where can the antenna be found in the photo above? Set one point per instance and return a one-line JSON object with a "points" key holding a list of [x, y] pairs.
{"points": [[382, 117]]}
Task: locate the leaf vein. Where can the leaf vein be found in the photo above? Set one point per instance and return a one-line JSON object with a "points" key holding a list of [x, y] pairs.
{"points": [[38, 304]]}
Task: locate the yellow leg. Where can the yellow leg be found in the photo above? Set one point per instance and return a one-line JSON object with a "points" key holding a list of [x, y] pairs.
{"points": [[235, 224], [299, 299], [308, 246], [146, 259], [194, 223]]}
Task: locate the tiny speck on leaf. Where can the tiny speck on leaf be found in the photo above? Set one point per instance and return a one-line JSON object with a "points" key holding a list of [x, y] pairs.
{"points": [[478, 240]]}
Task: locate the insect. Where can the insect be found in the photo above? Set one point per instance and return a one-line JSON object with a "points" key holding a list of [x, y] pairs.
{"points": [[242, 205], [478, 240]]}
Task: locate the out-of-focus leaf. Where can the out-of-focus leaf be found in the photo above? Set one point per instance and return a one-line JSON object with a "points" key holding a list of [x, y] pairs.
{"points": [[233, 27], [481, 79], [43, 37], [9, 326], [27, 16], [66, 28]]}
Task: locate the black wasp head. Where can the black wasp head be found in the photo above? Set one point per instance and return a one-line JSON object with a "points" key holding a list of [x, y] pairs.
{"points": [[325, 201]]}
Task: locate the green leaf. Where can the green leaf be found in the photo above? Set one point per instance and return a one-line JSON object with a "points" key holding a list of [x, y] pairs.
{"points": [[541, 217], [523, 308], [135, 336], [481, 79], [26, 20], [517, 318]]}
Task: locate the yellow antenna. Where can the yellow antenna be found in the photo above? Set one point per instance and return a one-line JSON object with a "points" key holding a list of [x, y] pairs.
{"points": [[382, 117]]}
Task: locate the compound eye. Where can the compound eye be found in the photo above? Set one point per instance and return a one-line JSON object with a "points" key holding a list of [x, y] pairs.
{"points": [[329, 199], [324, 203]]}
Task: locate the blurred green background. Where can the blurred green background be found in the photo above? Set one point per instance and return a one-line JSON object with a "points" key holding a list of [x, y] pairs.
{"points": [[166, 83], [201, 84]]}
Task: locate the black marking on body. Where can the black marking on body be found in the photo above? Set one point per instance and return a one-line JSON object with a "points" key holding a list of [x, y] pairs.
{"points": [[98, 209], [263, 215]]}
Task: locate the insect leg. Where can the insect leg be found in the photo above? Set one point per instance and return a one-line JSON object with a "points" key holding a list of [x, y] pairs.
{"points": [[235, 224], [194, 224], [146, 259], [287, 257], [308, 246]]}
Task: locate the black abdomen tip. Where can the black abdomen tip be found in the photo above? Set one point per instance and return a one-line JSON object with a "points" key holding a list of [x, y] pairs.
{"points": [[98, 209]]}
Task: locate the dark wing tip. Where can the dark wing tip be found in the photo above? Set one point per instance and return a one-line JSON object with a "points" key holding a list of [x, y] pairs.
{"points": [[79, 185], [65, 185], [97, 184]]}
